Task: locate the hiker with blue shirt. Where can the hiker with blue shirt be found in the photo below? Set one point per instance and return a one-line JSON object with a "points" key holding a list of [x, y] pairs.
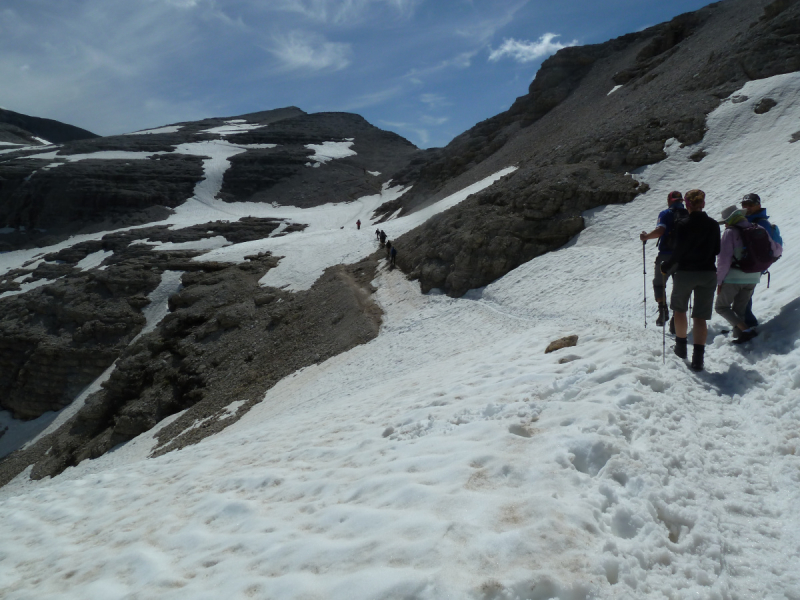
{"points": [[665, 227], [734, 286]]}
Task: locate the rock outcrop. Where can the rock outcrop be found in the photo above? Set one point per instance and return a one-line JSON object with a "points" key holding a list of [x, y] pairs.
{"points": [[57, 339]]}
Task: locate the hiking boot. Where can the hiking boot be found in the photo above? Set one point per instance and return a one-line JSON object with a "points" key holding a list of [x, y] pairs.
{"points": [[672, 326], [680, 347], [663, 315], [697, 357], [745, 336]]}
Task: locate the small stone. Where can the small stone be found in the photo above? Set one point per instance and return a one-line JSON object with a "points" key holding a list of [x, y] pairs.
{"points": [[764, 106], [565, 342]]}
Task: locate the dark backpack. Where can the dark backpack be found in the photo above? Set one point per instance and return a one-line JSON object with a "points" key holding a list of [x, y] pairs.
{"points": [[757, 256], [669, 239]]}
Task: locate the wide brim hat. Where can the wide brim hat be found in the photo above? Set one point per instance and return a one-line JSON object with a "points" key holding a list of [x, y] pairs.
{"points": [[732, 214]]}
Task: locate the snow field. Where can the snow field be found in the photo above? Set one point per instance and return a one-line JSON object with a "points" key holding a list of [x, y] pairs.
{"points": [[327, 151], [451, 458]]}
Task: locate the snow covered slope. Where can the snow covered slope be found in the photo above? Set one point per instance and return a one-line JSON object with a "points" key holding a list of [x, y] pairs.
{"points": [[451, 458]]}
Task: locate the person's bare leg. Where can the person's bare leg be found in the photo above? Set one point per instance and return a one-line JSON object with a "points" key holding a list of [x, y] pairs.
{"points": [[699, 331], [681, 324]]}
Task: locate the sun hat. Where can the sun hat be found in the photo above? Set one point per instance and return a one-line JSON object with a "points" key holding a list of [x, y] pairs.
{"points": [[732, 215]]}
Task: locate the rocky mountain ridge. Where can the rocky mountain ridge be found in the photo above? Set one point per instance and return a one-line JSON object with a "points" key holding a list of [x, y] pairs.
{"points": [[592, 114], [107, 183]]}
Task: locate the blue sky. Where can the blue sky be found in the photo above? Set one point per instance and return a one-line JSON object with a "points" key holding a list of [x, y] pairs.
{"points": [[426, 69]]}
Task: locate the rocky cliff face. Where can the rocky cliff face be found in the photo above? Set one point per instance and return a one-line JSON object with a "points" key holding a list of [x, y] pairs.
{"points": [[576, 134]]}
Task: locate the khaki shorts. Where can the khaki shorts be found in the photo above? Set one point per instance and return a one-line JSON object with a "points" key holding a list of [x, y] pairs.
{"points": [[703, 284]]}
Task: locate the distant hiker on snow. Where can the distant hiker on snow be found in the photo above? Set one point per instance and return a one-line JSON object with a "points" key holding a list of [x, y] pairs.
{"points": [[665, 233], [378, 234], [751, 203], [734, 286], [393, 255], [358, 224], [383, 238], [388, 249], [697, 244]]}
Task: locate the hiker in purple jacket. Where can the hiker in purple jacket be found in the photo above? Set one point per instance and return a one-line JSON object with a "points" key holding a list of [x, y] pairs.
{"points": [[734, 286]]}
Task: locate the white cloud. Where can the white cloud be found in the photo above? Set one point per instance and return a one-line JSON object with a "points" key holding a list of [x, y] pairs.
{"points": [[423, 136], [526, 51], [373, 99], [183, 3], [435, 121], [310, 51], [482, 30], [460, 61], [344, 12], [434, 100]]}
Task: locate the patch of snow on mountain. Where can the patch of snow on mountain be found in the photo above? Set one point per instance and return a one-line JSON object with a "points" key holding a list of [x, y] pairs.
{"points": [[153, 313], [211, 243], [232, 127], [17, 148], [95, 259], [27, 286], [327, 151], [101, 155], [166, 129]]}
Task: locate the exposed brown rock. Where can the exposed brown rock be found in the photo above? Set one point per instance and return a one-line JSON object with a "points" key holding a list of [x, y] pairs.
{"points": [[565, 342]]}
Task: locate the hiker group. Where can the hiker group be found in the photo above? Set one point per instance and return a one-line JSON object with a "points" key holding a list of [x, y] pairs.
{"points": [[702, 261], [391, 251]]}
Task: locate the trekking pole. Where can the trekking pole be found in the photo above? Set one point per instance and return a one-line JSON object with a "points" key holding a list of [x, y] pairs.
{"points": [[665, 324], [644, 281], [664, 335]]}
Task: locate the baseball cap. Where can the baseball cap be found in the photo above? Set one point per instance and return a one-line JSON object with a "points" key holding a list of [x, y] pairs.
{"points": [[751, 199]]}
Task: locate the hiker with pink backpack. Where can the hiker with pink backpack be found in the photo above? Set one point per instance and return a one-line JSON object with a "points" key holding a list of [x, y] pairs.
{"points": [[746, 251]]}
